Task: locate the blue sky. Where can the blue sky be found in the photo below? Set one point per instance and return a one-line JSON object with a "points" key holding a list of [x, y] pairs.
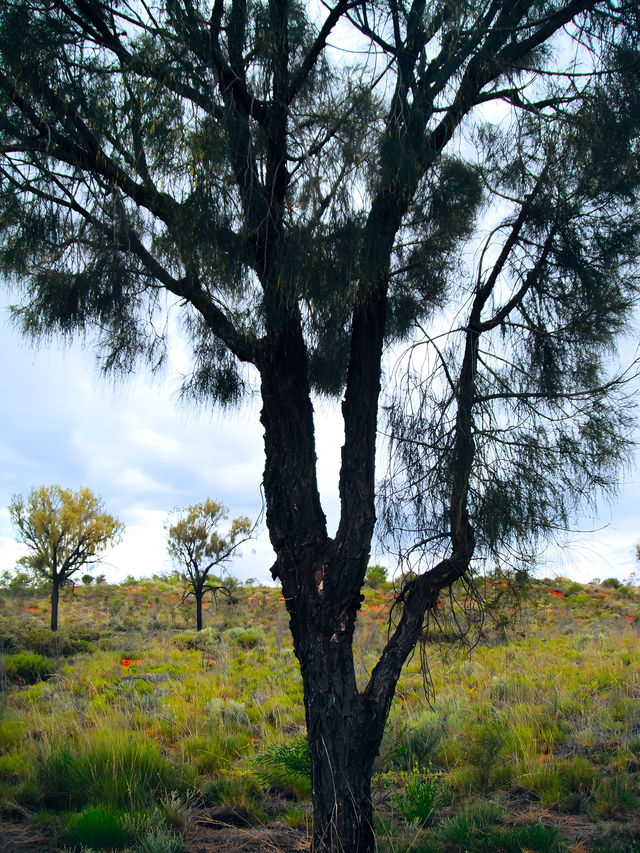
{"points": [[134, 444]]}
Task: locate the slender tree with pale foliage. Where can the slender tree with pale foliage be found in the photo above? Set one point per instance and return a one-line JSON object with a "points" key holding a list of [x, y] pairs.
{"points": [[312, 187], [197, 546], [64, 531]]}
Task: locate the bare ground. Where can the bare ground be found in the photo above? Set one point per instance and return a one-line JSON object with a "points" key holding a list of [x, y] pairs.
{"points": [[208, 833]]}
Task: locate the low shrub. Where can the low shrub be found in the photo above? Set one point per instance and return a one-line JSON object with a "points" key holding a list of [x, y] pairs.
{"points": [[97, 828], [287, 764], [11, 733], [417, 794], [25, 668], [246, 638], [118, 770], [196, 640], [159, 840]]}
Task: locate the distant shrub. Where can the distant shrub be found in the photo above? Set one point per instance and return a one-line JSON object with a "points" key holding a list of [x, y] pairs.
{"points": [[109, 642], [24, 668], [63, 643], [82, 632], [20, 582], [83, 647], [612, 583], [375, 576], [246, 638], [196, 640], [8, 641]]}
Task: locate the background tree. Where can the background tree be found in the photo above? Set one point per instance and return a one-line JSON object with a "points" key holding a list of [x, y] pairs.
{"points": [[196, 545], [462, 176], [64, 531]]}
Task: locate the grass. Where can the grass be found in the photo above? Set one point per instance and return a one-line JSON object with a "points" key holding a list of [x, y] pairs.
{"points": [[128, 715]]}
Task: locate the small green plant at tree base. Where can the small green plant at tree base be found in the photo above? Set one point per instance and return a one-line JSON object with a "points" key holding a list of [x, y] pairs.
{"points": [[287, 764], [98, 828], [418, 794]]}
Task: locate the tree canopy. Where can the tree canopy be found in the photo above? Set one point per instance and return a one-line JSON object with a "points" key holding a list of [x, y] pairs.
{"points": [[64, 531], [310, 188]]}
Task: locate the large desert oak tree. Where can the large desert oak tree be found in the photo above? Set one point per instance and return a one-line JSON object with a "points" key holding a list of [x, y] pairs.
{"points": [[316, 190], [64, 531]]}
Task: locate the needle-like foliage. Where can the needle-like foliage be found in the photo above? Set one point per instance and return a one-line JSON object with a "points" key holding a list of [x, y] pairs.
{"points": [[312, 188]]}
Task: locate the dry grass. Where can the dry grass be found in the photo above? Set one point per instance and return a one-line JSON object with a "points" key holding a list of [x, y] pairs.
{"points": [[540, 719]]}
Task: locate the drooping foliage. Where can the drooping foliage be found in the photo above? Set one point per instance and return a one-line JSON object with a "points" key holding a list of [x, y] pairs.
{"points": [[310, 189], [553, 288]]}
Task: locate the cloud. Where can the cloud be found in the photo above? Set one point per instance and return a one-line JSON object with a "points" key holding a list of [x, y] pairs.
{"points": [[144, 453]]}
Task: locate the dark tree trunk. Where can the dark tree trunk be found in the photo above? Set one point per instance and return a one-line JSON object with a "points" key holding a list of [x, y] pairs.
{"points": [[55, 598], [321, 581], [198, 597], [343, 736]]}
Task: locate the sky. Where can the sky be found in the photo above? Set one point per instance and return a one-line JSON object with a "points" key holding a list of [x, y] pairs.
{"points": [[145, 453], [138, 447]]}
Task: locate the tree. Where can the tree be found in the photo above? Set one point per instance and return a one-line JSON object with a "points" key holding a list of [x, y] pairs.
{"points": [[64, 531], [195, 544], [311, 188], [375, 576]]}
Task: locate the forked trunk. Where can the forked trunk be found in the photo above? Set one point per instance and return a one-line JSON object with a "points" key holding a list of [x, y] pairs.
{"points": [[321, 579]]}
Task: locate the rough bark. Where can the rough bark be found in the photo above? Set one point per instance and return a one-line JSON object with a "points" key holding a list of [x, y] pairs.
{"points": [[198, 611], [55, 598]]}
